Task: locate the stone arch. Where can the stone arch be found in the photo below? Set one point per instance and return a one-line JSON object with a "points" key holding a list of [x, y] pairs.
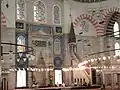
{"points": [[110, 24], [3, 19], [89, 18], [110, 16]]}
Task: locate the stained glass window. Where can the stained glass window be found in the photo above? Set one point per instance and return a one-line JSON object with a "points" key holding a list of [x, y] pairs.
{"points": [[20, 9], [39, 12], [116, 30], [117, 46], [21, 41], [56, 15]]}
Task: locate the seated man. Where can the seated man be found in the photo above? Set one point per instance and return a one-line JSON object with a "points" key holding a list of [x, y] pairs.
{"points": [[84, 82]]}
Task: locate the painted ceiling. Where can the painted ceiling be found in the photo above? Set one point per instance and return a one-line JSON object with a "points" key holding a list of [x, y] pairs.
{"points": [[89, 1]]}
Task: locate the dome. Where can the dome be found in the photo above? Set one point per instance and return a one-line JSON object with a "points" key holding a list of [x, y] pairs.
{"points": [[89, 1]]}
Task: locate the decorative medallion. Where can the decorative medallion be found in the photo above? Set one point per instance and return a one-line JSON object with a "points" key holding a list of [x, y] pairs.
{"points": [[84, 25], [57, 62], [57, 46], [56, 14], [97, 13]]}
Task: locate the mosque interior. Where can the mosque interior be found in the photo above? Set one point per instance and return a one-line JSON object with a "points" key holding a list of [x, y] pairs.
{"points": [[50, 42]]}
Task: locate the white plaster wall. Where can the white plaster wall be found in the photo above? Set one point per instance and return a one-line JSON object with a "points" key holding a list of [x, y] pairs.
{"points": [[47, 52], [7, 35], [67, 20], [9, 12], [67, 78], [82, 8], [91, 30], [77, 9], [83, 49], [49, 6], [42, 78], [11, 80]]}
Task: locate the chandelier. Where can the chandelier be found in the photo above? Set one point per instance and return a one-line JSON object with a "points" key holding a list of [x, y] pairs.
{"points": [[21, 57]]}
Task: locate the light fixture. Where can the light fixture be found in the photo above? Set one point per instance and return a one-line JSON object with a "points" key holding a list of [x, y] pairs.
{"points": [[29, 58], [27, 55], [99, 58], [80, 33], [39, 70], [20, 54], [113, 67], [28, 69], [42, 69], [24, 59], [92, 60], [18, 59], [108, 57], [48, 69], [2, 60], [7, 5], [104, 58], [32, 57]]}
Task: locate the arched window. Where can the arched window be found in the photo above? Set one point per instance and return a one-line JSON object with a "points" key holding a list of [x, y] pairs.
{"points": [[21, 78], [116, 30], [40, 12], [20, 9], [56, 15], [21, 74], [21, 41], [117, 46]]}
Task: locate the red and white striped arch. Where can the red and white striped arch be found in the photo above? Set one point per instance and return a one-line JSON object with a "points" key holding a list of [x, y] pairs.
{"points": [[106, 16], [3, 19], [100, 28], [89, 18]]}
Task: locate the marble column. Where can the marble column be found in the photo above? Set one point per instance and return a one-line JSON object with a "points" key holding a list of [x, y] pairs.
{"points": [[0, 47], [103, 77], [112, 82], [118, 77]]}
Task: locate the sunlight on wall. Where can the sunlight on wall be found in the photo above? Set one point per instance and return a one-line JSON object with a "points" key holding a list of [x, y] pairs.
{"points": [[58, 76], [116, 30], [21, 78], [117, 46]]}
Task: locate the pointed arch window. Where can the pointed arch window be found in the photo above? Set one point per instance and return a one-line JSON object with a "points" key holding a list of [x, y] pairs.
{"points": [[117, 46], [116, 30], [21, 41], [21, 74], [40, 12], [56, 14], [20, 12]]}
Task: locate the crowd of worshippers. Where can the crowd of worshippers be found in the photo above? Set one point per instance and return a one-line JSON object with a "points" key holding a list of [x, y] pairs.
{"points": [[77, 82], [81, 82]]}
